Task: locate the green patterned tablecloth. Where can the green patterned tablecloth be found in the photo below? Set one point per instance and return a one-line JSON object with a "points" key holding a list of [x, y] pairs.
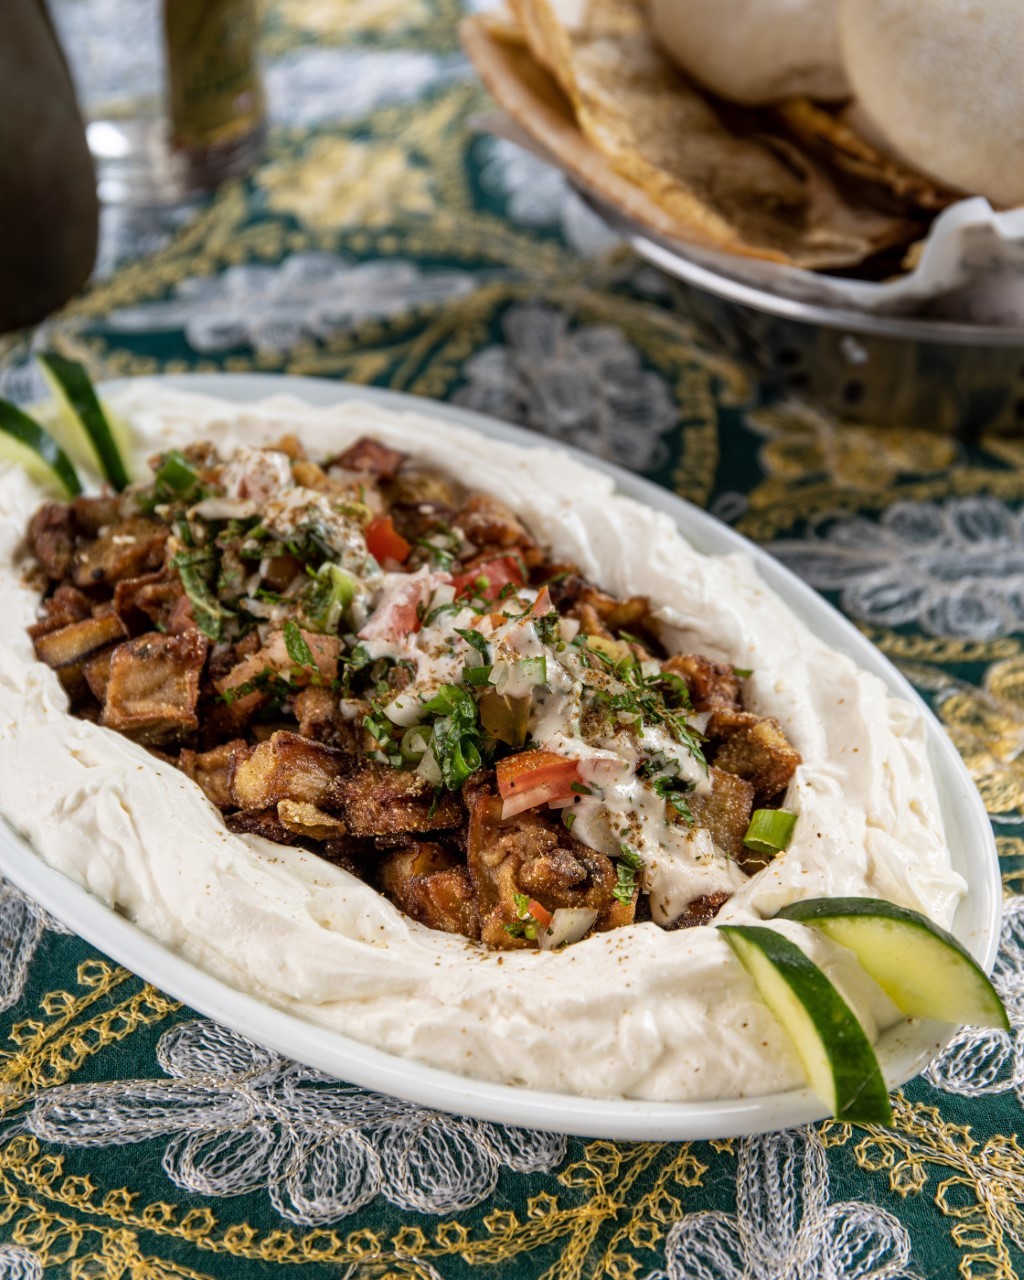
{"points": [[384, 242]]}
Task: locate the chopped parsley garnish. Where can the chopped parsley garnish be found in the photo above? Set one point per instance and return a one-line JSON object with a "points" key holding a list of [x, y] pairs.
{"points": [[297, 645], [456, 741], [326, 597], [476, 641], [193, 568], [674, 791], [274, 687], [628, 864], [661, 698]]}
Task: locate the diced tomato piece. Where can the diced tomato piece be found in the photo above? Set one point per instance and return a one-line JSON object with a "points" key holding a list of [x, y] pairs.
{"points": [[543, 604], [498, 574], [384, 542], [539, 912], [532, 778], [400, 611]]}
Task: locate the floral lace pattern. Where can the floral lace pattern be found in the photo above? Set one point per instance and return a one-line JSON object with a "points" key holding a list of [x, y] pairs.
{"points": [[954, 568], [785, 1226], [386, 241], [307, 296], [978, 1061], [585, 387], [236, 1118], [22, 924]]}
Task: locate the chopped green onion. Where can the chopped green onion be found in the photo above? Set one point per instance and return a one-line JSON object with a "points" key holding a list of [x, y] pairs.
{"points": [[477, 675], [73, 388], [414, 744], [327, 596], [177, 473], [743, 672], [770, 831], [535, 670], [296, 644], [25, 431]]}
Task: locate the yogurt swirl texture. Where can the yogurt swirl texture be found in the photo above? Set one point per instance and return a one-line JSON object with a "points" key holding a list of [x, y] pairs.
{"points": [[637, 1012]]}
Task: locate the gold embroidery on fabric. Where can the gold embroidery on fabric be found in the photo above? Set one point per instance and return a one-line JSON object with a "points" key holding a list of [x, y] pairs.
{"points": [[31, 1179], [980, 1183], [50, 1051]]}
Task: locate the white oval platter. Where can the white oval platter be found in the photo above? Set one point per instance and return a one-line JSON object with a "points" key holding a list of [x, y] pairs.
{"points": [[903, 1050]]}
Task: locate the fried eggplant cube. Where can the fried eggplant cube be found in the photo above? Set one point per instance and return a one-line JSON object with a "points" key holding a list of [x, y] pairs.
{"points": [[286, 767], [153, 687]]}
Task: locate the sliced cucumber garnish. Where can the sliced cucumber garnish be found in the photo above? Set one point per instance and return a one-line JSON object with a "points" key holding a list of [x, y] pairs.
{"points": [[84, 415], [837, 1057], [921, 968], [24, 441]]}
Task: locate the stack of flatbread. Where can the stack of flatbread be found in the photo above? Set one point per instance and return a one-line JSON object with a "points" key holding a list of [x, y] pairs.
{"points": [[793, 180]]}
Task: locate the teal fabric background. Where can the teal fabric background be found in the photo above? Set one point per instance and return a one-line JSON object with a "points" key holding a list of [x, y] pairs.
{"points": [[385, 241]]}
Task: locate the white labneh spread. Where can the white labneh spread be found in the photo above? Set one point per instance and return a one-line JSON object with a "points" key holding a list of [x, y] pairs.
{"points": [[636, 1012]]}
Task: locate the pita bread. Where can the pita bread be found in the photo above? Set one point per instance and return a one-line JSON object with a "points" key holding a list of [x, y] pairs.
{"points": [[632, 130], [836, 139]]}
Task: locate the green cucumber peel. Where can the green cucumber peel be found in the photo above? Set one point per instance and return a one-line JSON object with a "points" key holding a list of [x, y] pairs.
{"points": [[838, 1059], [16, 425], [924, 969], [71, 385]]}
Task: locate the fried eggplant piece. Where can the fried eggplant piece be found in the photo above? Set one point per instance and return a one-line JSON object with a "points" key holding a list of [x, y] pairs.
{"points": [[701, 910], [304, 819], [211, 770], [712, 685], [754, 747], [94, 514], [427, 883], [318, 711], [66, 605], [51, 537], [149, 600], [72, 644], [725, 812], [377, 800], [285, 767], [598, 612], [96, 673], [535, 855], [492, 526], [370, 456], [260, 822], [153, 689], [124, 550]]}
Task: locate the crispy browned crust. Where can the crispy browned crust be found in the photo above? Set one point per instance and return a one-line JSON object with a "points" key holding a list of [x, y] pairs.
{"points": [[153, 686], [754, 748], [286, 767], [276, 739], [726, 811], [376, 800]]}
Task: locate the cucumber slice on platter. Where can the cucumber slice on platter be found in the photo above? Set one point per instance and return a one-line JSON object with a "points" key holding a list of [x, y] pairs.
{"points": [[920, 967], [84, 418], [25, 442], [837, 1056]]}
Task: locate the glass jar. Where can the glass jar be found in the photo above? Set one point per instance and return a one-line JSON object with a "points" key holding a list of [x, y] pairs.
{"points": [[170, 90]]}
